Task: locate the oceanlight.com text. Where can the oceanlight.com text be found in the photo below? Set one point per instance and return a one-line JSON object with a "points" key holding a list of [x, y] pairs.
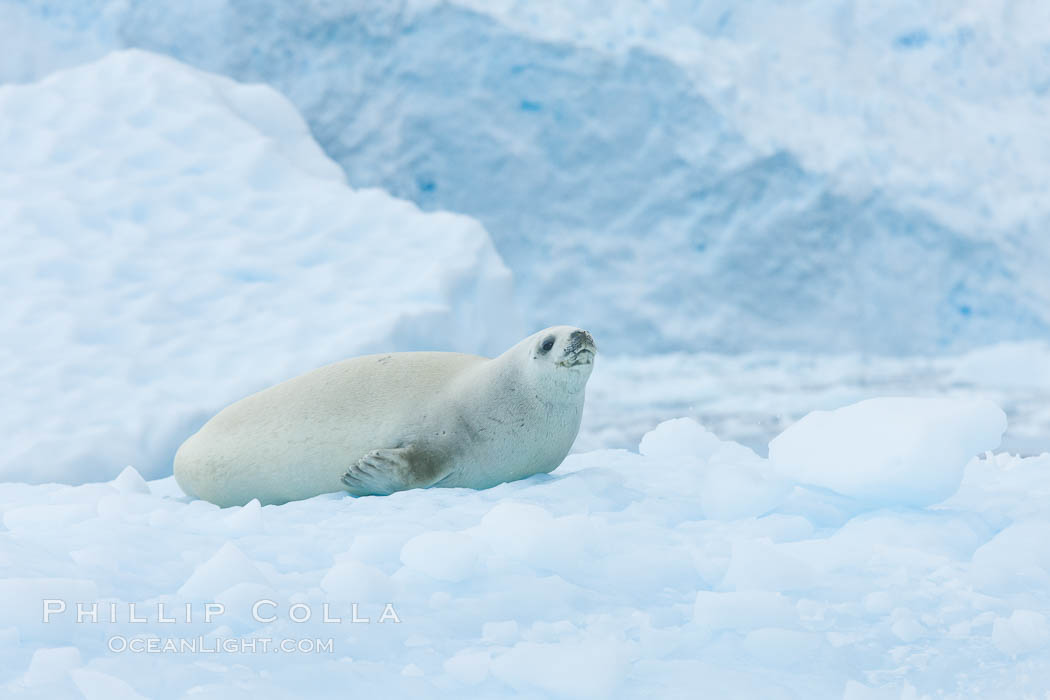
{"points": [[120, 644]]}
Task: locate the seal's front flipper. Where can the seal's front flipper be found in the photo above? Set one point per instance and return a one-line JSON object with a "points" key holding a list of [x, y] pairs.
{"points": [[382, 472]]}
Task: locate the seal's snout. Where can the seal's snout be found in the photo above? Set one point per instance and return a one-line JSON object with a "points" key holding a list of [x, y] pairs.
{"points": [[581, 339], [579, 349]]}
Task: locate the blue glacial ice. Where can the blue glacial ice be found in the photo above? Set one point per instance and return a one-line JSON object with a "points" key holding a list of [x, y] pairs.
{"points": [[713, 177]]}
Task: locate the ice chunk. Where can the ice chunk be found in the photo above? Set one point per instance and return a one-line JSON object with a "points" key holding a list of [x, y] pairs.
{"points": [[50, 665], [50, 516], [892, 691], [577, 669], [469, 667], [246, 518], [515, 529], [905, 627], [238, 601], [760, 564], [130, 481], [743, 610], [96, 685], [1010, 561], [227, 567], [500, 632], [355, 582], [25, 602], [731, 491], [1023, 631], [776, 646], [908, 451], [447, 556], [678, 438]]}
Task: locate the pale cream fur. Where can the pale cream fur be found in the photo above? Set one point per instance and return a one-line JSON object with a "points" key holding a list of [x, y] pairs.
{"points": [[460, 420]]}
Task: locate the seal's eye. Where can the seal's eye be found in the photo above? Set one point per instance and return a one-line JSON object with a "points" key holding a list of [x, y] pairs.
{"points": [[547, 344]]}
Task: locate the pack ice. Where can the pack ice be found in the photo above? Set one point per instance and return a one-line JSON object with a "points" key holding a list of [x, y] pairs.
{"points": [[689, 567]]}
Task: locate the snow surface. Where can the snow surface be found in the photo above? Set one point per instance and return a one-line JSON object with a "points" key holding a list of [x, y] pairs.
{"points": [[813, 175], [174, 241], [692, 567]]}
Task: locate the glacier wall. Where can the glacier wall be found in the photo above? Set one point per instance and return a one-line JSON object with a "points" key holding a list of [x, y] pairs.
{"points": [[842, 177]]}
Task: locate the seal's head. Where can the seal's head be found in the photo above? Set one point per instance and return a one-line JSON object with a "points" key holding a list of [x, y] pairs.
{"points": [[564, 353]]}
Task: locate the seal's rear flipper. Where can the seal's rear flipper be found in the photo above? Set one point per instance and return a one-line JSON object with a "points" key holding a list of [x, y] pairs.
{"points": [[381, 473]]}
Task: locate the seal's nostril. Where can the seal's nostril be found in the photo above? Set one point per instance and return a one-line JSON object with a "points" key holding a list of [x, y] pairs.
{"points": [[578, 338]]}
